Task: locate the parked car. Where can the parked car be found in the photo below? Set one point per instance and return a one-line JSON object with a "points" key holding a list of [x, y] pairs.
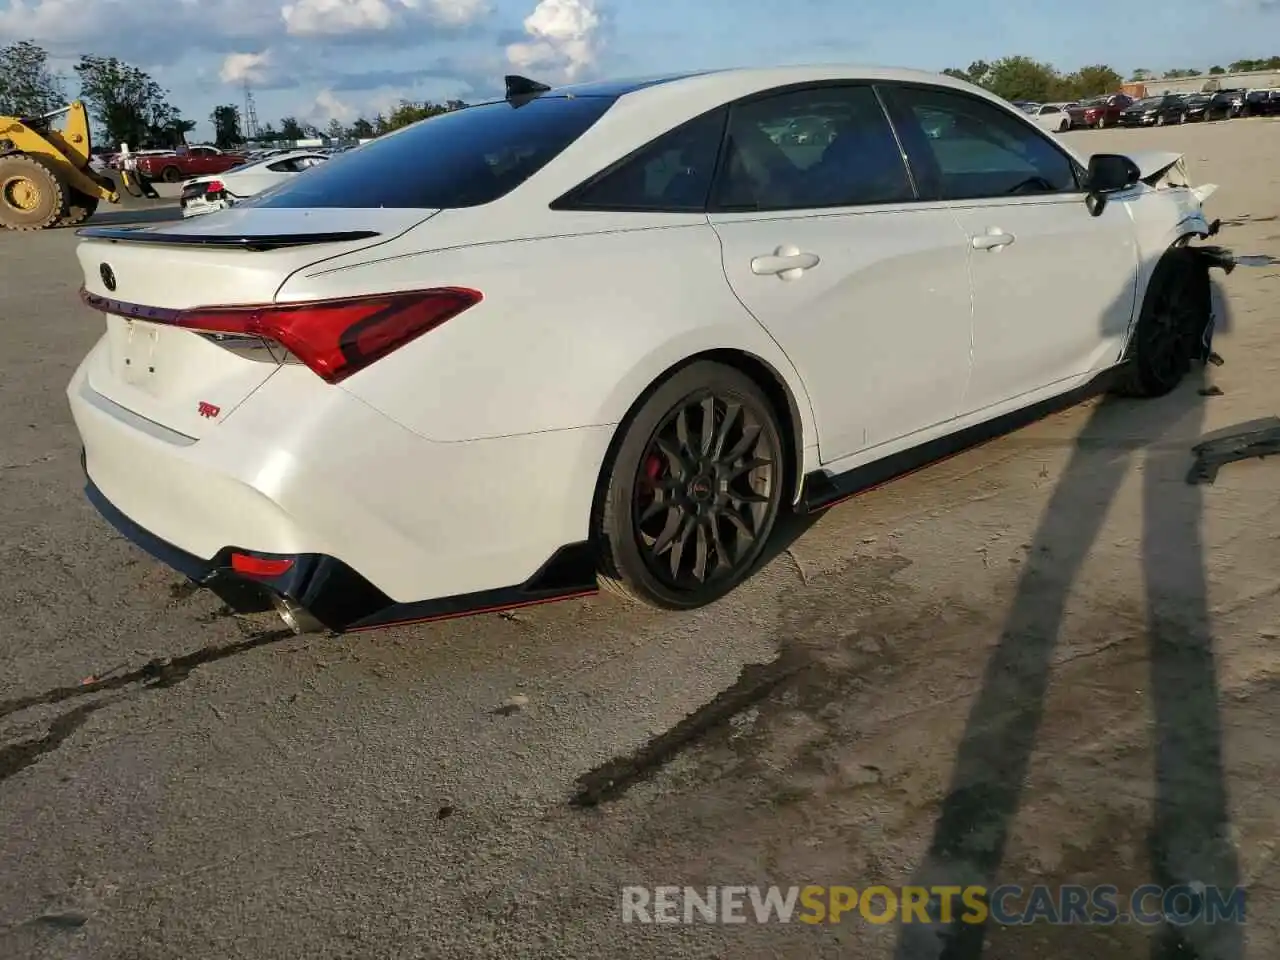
{"points": [[1233, 100], [1051, 116], [613, 332], [1100, 111], [220, 191], [1262, 103], [185, 164], [1208, 106], [1155, 112]]}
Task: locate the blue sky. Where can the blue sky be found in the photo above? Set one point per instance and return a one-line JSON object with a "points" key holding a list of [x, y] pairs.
{"points": [[317, 59]]}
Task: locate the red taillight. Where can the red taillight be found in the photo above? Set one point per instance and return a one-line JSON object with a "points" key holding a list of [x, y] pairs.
{"points": [[214, 186], [251, 566], [335, 338]]}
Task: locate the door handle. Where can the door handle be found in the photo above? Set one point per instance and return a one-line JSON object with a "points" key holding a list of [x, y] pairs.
{"points": [[785, 263], [993, 239]]}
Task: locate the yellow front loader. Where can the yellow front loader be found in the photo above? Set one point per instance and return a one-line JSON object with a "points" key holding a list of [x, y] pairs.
{"points": [[45, 180]]}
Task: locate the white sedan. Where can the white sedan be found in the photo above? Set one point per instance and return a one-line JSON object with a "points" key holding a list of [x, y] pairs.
{"points": [[221, 190], [1049, 116], [610, 332]]}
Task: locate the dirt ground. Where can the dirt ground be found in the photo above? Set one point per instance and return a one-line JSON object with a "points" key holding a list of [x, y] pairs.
{"points": [[1049, 660]]}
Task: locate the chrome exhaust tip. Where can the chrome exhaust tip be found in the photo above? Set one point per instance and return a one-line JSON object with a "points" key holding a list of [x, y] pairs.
{"points": [[295, 617]]}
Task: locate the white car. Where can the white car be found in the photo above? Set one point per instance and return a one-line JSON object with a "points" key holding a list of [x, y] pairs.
{"points": [[218, 191], [1050, 116], [613, 330]]}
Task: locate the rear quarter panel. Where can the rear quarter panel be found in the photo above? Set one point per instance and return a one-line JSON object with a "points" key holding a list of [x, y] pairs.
{"points": [[572, 330]]}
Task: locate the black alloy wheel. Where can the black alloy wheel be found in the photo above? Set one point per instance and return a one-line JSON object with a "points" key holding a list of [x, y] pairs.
{"points": [[695, 490], [1175, 314]]}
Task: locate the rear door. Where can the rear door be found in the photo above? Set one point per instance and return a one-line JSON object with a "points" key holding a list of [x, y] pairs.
{"points": [[865, 289], [1053, 286]]}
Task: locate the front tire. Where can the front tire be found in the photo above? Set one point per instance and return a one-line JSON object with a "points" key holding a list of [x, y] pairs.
{"points": [[693, 491], [1175, 315], [32, 194]]}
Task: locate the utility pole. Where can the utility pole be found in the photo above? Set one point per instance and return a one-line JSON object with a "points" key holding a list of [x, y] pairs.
{"points": [[250, 114]]}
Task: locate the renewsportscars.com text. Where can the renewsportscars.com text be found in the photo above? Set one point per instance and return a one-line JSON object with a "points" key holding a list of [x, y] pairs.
{"points": [[1008, 905]]}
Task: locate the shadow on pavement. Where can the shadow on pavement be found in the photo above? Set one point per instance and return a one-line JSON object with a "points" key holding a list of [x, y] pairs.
{"points": [[1188, 841]]}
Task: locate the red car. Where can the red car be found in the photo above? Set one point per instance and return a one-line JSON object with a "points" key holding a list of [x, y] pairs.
{"points": [[1100, 111], [186, 163]]}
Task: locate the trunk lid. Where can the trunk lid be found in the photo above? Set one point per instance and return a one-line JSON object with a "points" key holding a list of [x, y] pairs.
{"points": [[182, 379]]}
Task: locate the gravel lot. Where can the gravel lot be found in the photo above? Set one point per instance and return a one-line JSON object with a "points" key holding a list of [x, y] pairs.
{"points": [[1047, 660]]}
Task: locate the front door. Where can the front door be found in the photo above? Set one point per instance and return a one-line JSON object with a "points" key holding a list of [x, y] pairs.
{"points": [[864, 288], [1053, 286]]}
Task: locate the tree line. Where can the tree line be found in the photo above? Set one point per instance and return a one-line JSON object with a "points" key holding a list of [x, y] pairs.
{"points": [[229, 129], [130, 107], [1024, 78]]}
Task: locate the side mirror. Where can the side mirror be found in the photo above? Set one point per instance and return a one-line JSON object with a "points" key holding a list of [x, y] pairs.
{"points": [[1108, 173]]}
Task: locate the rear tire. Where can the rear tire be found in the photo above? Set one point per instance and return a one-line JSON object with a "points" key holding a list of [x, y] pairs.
{"points": [[171, 175], [1175, 315], [689, 500], [32, 194]]}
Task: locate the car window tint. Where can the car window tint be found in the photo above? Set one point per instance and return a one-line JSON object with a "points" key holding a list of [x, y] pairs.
{"points": [[282, 166], [966, 148], [464, 158], [808, 149], [1050, 110], [672, 173]]}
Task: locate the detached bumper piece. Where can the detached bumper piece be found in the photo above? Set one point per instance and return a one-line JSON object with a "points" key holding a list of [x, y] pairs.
{"points": [[333, 595], [1259, 439]]}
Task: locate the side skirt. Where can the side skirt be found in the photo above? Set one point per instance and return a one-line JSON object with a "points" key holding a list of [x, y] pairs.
{"points": [[823, 489]]}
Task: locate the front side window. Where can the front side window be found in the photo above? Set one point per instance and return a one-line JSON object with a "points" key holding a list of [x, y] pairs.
{"points": [[463, 158], [673, 173], [810, 148], [963, 148]]}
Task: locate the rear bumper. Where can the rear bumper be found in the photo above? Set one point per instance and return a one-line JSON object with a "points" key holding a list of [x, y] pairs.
{"points": [[334, 594], [380, 524]]}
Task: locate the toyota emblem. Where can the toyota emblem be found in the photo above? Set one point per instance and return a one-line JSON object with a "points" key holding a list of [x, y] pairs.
{"points": [[108, 276]]}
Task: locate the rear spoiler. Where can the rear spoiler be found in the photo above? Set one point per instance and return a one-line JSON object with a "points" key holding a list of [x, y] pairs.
{"points": [[277, 241]]}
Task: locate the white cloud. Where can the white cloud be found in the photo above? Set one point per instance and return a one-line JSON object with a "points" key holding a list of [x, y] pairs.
{"points": [[328, 107], [564, 37], [246, 67], [309, 18]]}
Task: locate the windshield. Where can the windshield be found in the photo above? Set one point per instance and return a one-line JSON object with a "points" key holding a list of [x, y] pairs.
{"points": [[464, 158], [1150, 103]]}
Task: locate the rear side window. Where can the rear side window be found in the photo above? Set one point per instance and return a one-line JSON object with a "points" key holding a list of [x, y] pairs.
{"points": [[461, 159], [671, 174], [811, 149]]}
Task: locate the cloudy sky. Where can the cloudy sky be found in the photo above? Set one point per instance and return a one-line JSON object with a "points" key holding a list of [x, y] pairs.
{"points": [[319, 59]]}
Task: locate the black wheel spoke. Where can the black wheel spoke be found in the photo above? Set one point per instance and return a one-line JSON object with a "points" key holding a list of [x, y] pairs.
{"points": [[745, 534], [677, 548], [670, 530], [747, 466], [652, 510], [750, 435], [731, 413], [701, 551], [724, 562], [674, 457], [708, 426], [682, 435]]}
